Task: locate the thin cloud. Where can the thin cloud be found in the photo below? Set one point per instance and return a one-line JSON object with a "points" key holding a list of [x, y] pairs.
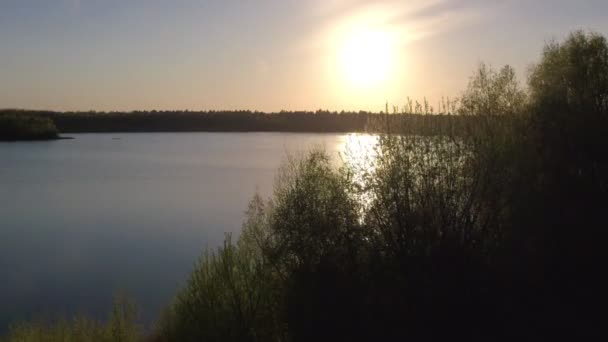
{"points": [[411, 21]]}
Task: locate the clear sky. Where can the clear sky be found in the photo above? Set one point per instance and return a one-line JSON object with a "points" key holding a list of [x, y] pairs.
{"points": [[267, 54]]}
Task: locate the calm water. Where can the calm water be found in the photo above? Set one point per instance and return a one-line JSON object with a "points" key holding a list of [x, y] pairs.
{"points": [[84, 219]]}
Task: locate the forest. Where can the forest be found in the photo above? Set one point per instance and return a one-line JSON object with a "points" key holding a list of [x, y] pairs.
{"points": [[15, 125], [411, 117], [492, 228]]}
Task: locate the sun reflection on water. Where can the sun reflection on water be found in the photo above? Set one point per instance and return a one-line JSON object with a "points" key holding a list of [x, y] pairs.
{"points": [[358, 149], [359, 153]]}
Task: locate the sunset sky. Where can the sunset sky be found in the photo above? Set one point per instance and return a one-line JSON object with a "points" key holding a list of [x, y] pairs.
{"points": [[267, 54]]}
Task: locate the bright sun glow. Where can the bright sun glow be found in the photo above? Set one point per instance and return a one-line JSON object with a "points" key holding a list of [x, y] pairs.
{"points": [[366, 57]]}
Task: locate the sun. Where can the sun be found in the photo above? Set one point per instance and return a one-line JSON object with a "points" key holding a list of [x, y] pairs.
{"points": [[366, 57]]}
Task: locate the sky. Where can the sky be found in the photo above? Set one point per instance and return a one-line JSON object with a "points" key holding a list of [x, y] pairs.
{"points": [[267, 55]]}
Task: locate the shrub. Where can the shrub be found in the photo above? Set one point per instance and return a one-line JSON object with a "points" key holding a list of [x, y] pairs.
{"points": [[572, 75], [230, 295], [493, 93], [121, 327]]}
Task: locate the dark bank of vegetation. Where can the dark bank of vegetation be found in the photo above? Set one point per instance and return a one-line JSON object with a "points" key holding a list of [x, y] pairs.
{"points": [[410, 115], [120, 326], [19, 125], [215, 121], [496, 233]]}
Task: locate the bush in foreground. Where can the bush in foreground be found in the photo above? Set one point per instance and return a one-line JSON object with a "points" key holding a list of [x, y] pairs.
{"points": [[121, 327]]}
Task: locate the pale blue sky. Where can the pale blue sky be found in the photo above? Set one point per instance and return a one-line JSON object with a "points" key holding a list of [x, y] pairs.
{"points": [[266, 54]]}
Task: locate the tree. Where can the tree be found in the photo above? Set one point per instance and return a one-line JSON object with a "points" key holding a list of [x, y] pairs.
{"points": [[493, 93], [573, 74]]}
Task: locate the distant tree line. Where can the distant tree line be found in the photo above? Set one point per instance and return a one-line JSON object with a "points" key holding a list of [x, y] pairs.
{"points": [[210, 121], [410, 120], [18, 125]]}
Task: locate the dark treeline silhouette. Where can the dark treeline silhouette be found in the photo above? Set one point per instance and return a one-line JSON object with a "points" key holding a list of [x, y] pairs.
{"points": [[496, 233], [211, 121], [414, 121], [15, 125]]}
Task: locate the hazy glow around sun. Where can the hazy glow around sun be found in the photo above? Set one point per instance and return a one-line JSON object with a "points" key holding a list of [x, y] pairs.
{"points": [[366, 57], [367, 62]]}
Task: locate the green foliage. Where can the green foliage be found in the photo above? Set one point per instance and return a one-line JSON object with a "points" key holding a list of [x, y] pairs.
{"points": [[569, 92], [121, 327], [572, 75], [493, 93], [424, 190], [15, 125], [229, 296], [558, 208], [240, 291], [313, 214], [314, 244], [411, 115]]}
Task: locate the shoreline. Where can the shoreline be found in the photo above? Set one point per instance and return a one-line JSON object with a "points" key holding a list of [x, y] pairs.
{"points": [[3, 140]]}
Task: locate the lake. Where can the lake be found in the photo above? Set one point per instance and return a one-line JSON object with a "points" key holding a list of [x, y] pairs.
{"points": [[83, 220]]}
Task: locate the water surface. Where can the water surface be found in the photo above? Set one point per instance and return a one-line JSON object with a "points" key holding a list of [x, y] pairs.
{"points": [[84, 219]]}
